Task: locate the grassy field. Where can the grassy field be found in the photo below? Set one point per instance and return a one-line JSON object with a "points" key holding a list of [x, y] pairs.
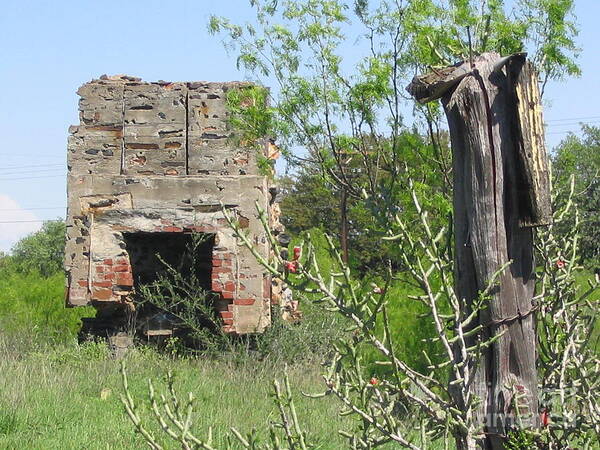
{"points": [[57, 394], [66, 396]]}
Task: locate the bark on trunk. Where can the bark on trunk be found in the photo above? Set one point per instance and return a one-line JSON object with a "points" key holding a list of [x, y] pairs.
{"points": [[501, 189], [480, 114]]}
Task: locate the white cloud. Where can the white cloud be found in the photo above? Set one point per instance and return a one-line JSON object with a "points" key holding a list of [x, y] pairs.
{"points": [[10, 233]]}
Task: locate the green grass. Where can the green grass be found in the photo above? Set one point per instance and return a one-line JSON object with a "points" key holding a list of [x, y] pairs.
{"points": [[57, 394], [67, 396]]}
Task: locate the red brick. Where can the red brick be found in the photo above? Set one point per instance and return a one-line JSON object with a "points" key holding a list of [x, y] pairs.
{"points": [[221, 270], [102, 294], [121, 228], [102, 284], [216, 262], [216, 285], [108, 262], [243, 301], [227, 295], [122, 261], [109, 276], [204, 229], [172, 229], [229, 286], [125, 279], [226, 314], [82, 283], [123, 268], [99, 269], [228, 321]]}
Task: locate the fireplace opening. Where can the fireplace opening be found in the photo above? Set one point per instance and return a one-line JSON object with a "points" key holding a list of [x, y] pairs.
{"points": [[172, 275], [151, 254]]}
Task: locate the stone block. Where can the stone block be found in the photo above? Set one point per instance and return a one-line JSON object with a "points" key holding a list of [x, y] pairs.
{"points": [[248, 319], [94, 114], [206, 114], [155, 104], [98, 131], [99, 93], [155, 155], [94, 155]]}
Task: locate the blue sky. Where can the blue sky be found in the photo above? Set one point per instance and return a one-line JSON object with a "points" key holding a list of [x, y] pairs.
{"points": [[50, 48]]}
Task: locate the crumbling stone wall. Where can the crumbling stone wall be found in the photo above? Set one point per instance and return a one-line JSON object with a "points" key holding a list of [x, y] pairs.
{"points": [[158, 158]]}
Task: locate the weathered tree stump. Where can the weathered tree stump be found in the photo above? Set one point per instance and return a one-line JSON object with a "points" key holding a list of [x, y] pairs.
{"points": [[501, 189]]}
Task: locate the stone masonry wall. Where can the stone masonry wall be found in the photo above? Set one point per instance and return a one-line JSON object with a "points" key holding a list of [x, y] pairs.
{"points": [[158, 158]]}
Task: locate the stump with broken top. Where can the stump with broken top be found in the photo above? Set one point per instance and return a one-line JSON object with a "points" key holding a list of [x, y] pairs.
{"points": [[501, 191]]}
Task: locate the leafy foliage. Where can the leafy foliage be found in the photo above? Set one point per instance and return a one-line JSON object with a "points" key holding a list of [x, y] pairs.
{"points": [[42, 251], [345, 113], [29, 301], [332, 106], [580, 158], [181, 297], [311, 199], [32, 287], [568, 358], [252, 118]]}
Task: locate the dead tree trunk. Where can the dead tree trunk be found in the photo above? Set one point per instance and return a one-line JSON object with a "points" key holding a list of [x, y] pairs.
{"points": [[500, 191]]}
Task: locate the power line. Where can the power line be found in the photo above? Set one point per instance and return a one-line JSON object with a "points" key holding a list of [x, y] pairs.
{"points": [[573, 118], [34, 172], [573, 124], [31, 178], [30, 167], [563, 132], [30, 156], [28, 221], [33, 209]]}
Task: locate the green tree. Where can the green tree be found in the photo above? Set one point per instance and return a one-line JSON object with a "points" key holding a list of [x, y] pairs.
{"points": [[42, 251], [340, 113], [311, 199], [344, 109], [310, 202], [580, 157]]}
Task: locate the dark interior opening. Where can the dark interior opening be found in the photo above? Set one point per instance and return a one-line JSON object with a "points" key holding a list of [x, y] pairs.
{"points": [[151, 253], [176, 269]]}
